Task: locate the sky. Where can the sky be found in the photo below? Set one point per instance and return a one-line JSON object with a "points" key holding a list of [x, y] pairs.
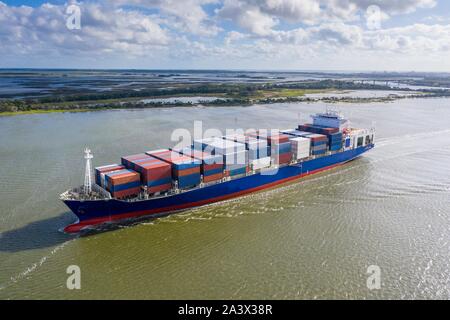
{"points": [[331, 35]]}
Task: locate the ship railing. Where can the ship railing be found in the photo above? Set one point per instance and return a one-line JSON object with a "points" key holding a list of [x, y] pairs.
{"points": [[97, 193]]}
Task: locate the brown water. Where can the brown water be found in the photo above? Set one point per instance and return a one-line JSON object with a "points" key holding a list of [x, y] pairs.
{"points": [[312, 239]]}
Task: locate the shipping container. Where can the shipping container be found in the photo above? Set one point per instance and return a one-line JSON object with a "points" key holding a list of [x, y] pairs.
{"points": [[318, 152], [260, 163], [156, 175], [99, 178], [301, 147], [317, 137], [236, 158], [126, 193], [123, 183], [236, 172], [185, 169], [105, 169], [188, 181], [297, 133], [213, 177], [336, 147], [272, 136], [129, 161], [122, 177], [280, 148], [317, 129], [284, 158]]}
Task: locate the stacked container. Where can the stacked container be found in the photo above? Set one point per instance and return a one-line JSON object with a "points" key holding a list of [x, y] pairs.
{"points": [[335, 138], [202, 144], [319, 144], [335, 141], [211, 165], [131, 161], [156, 175], [301, 147], [101, 171], [297, 133], [123, 183], [317, 129], [261, 163], [234, 154], [185, 170], [256, 148], [280, 147]]}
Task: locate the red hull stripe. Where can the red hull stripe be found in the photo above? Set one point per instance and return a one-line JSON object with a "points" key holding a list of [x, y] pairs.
{"points": [[73, 228]]}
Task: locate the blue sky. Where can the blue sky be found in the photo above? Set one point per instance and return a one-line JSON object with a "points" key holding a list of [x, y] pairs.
{"points": [[407, 35]]}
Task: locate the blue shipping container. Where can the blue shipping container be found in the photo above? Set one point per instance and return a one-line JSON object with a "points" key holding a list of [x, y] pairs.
{"points": [[335, 148], [318, 152], [238, 171], [189, 180], [213, 171], [154, 183], [126, 186]]}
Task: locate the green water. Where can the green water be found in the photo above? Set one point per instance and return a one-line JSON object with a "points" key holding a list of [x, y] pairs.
{"points": [[312, 239]]}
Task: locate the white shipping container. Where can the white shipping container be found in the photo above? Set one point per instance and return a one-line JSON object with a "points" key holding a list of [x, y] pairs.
{"points": [[226, 146], [235, 137], [200, 143], [260, 163], [232, 158], [301, 147]]}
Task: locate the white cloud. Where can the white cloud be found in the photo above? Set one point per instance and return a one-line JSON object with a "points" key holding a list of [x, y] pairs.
{"points": [[185, 15], [43, 30], [258, 16], [263, 33]]}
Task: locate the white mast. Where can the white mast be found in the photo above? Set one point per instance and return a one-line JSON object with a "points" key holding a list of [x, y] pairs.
{"points": [[87, 175]]}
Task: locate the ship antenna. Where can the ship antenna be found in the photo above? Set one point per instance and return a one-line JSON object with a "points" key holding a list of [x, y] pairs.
{"points": [[87, 174]]}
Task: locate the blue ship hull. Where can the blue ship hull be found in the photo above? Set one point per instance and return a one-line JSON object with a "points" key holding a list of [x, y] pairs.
{"points": [[95, 212]]}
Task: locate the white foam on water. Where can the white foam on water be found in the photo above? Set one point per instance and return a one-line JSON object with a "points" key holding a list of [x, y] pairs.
{"points": [[35, 266], [400, 139]]}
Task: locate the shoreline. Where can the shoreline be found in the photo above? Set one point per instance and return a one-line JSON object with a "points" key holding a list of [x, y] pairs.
{"points": [[31, 112], [241, 103]]}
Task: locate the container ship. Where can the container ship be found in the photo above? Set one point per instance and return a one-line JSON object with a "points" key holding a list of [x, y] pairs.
{"points": [[160, 182]]}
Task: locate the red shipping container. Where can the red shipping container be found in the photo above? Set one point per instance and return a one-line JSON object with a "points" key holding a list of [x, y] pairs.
{"points": [[154, 170], [271, 137], [213, 177], [160, 188], [208, 167], [110, 168], [187, 172], [283, 158], [104, 170], [209, 162], [127, 176], [129, 161], [318, 137], [126, 193], [308, 126]]}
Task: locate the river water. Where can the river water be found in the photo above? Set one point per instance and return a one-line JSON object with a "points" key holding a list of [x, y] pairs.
{"points": [[312, 239]]}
